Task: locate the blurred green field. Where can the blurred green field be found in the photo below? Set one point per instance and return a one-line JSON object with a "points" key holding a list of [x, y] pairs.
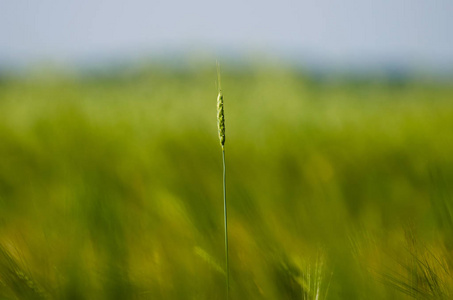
{"points": [[111, 186]]}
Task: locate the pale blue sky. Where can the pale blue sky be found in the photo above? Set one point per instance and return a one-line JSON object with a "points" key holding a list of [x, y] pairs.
{"points": [[338, 31]]}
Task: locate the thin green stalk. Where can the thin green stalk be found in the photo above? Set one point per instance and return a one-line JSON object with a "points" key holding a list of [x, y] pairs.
{"points": [[221, 129], [225, 223]]}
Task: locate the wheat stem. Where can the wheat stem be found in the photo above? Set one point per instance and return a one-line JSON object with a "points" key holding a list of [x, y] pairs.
{"points": [[225, 223]]}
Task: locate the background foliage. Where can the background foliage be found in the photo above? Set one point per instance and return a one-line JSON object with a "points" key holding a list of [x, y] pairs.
{"points": [[338, 188]]}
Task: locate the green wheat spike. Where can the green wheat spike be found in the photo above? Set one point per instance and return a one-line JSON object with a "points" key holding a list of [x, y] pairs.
{"points": [[220, 113]]}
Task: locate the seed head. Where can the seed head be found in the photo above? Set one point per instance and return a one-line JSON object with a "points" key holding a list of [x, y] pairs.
{"points": [[220, 119]]}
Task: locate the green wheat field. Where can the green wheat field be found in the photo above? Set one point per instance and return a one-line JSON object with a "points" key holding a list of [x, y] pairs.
{"points": [[337, 187]]}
